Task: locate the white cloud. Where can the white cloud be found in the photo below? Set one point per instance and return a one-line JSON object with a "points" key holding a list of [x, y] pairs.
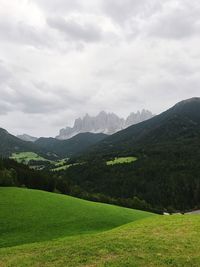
{"points": [[61, 59]]}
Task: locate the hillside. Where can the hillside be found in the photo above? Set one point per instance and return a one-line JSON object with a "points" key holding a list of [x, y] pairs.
{"points": [[49, 148], [166, 173], [71, 147], [179, 123], [10, 144], [157, 241], [26, 137], [28, 216]]}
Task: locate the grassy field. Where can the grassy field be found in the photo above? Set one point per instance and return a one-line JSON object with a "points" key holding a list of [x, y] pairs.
{"points": [[65, 167], [73, 233], [28, 216], [25, 157], [153, 242], [121, 160]]}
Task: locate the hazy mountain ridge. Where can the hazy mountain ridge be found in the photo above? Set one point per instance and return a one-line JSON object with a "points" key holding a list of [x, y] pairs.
{"points": [[49, 148], [26, 137], [107, 123], [181, 122], [71, 147]]}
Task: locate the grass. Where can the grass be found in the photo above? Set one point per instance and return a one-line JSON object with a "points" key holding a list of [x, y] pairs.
{"points": [[25, 157], [28, 216], [121, 160], [74, 233], [61, 162], [65, 167], [157, 241]]}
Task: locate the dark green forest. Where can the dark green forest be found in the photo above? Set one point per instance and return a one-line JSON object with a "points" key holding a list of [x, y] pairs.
{"points": [[20, 175], [165, 176]]}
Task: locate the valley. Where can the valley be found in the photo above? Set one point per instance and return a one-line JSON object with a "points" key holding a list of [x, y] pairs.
{"points": [[99, 133], [98, 200]]}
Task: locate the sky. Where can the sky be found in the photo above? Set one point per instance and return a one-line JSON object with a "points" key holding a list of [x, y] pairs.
{"points": [[61, 59]]}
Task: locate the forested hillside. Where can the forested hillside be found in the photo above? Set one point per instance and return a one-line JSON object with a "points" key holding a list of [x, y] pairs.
{"points": [[167, 171]]}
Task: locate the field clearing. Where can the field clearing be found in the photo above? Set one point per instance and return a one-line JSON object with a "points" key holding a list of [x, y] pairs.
{"points": [[65, 167], [121, 160], [25, 157]]}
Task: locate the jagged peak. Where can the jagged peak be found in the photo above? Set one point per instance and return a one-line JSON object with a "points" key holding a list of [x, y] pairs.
{"points": [[103, 122]]}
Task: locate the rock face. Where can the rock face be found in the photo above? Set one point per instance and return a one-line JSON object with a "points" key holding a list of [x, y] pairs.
{"points": [[107, 123], [26, 137]]}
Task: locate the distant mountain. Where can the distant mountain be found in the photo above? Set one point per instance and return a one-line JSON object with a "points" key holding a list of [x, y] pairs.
{"points": [[181, 122], [71, 147], [10, 144], [26, 137], [48, 147], [108, 123], [166, 173]]}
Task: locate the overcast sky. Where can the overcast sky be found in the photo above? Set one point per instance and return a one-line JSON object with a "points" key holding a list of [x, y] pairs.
{"points": [[60, 59]]}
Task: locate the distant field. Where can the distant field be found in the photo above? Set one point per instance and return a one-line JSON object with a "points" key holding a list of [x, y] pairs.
{"points": [[121, 160], [61, 162], [28, 216], [65, 167], [25, 157]]}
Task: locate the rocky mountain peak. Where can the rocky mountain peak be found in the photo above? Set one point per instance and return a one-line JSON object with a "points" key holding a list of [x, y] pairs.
{"points": [[108, 123]]}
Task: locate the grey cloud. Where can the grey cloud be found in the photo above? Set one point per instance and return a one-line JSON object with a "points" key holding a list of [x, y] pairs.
{"points": [[177, 23], [75, 31], [123, 10], [5, 107], [5, 75], [142, 68], [59, 6], [33, 97], [22, 33]]}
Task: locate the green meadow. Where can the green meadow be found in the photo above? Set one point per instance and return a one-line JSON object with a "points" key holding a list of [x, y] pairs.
{"points": [[121, 160], [51, 230], [28, 216], [25, 157]]}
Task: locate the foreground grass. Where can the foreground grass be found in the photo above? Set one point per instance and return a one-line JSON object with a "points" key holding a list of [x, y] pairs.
{"points": [[121, 160], [28, 216], [153, 242]]}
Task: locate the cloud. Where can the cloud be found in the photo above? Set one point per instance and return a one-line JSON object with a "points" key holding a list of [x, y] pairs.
{"points": [[59, 6], [61, 59], [33, 97], [122, 11], [24, 34], [75, 31], [176, 21]]}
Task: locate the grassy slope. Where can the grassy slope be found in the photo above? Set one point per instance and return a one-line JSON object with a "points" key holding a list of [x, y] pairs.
{"points": [[121, 160], [25, 157], [153, 242], [28, 216]]}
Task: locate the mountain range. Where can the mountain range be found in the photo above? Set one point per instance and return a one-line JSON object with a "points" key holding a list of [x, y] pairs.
{"points": [[166, 173], [177, 124], [26, 137], [107, 123], [167, 170], [49, 148]]}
